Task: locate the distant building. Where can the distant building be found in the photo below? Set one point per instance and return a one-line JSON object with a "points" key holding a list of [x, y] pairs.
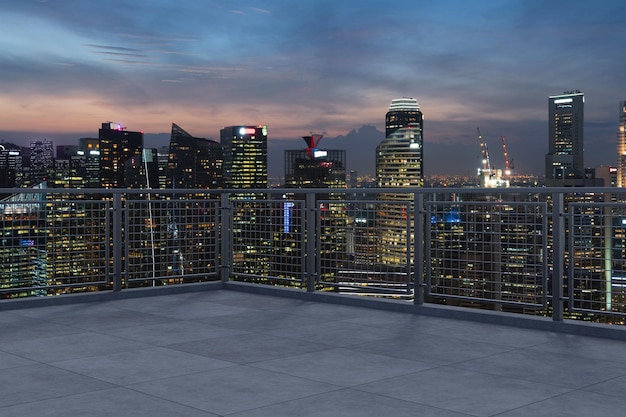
{"points": [[41, 161], [193, 162], [621, 146], [10, 166], [89, 149], [399, 164], [245, 168], [402, 113], [117, 145], [564, 161]]}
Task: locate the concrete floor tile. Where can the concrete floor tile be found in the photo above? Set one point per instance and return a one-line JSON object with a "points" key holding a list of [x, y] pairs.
{"points": [[337, 333], [71, 346], [263, 320], [496, 334], [436, 349], [248, 347], [164, 334], [546, 367], [234, 389], [25, 384], [464, 391], [573, 404], [343, 367], [106, 403], [141, 365], [8, 360], [348, 403]]}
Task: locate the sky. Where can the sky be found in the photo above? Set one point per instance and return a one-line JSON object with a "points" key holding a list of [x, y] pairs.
{"points": [[327, 66]]}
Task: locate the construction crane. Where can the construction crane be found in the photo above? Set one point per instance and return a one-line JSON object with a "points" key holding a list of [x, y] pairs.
{"points": [[484, 153], [508, 164]]}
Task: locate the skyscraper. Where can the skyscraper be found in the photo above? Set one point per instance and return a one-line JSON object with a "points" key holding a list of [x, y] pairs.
{"points": [[245, 156], [117, 145], [564, 161], [193, 162], [245, 168], [41, 161], [621, 146], [402, 113], [398, 164]]}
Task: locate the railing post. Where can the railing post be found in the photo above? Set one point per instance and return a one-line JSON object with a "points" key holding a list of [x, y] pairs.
{"points": [[117, 242], [311, 242], [225, 229], [419, 245], [558, 255]]}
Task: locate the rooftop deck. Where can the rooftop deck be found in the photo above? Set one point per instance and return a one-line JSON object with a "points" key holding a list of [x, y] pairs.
{"points": [[232, 353]]}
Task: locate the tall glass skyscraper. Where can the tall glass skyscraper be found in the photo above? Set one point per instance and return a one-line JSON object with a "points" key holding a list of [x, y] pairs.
{"points": [[402, 113], [398, 165], [193, 162], [621, 146], [245, 156], [564, 161]]}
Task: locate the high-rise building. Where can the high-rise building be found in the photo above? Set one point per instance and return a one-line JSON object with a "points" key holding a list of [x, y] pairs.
{"points": [[621, 146], [193, 162], [564, 160], [11, 172], [245, 168], [41, 161], [245, 157], [398, 165], [402, 113], [117, 145], [317, 168]]}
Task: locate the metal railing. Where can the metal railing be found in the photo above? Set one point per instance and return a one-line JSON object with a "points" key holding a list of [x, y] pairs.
{"points": [[557, 252]]}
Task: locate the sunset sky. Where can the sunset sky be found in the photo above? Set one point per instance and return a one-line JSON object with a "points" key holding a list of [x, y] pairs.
{"points": [[321, 65]]}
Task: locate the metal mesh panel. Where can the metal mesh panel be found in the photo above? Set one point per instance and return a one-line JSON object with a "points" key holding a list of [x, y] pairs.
{"points": [[487, 252], [597, 252], [365, 246], [171, 241], [268, 241], [53, 246]]}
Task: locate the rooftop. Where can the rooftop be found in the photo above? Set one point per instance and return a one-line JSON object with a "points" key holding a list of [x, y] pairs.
{"points": [[233, 353]]}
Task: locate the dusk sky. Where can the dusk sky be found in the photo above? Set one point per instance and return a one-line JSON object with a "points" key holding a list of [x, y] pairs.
{"points": [[329, 66]]}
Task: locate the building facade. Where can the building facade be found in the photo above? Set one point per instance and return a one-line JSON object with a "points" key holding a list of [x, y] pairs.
{"points": [[564, 160], [621, 146], [398, 165], [116, 146], [193, 162], [402, 113], [245, 157]]}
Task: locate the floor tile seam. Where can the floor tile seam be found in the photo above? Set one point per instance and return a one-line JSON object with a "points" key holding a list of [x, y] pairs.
{"points": [[304, 397], [354, 347], [56, 397], [550, 398], [396, 399], [579, 356], [291, 375], [586, 388], [148, 394], [459, 368]]}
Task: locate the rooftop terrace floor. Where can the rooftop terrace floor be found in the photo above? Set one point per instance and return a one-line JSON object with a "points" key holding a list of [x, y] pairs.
{"points": [[231, 353]]}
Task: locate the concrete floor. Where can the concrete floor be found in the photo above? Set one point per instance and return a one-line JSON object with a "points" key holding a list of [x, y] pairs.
{"points": [[230, 353]]}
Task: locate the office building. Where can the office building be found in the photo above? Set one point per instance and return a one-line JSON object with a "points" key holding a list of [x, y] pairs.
{"points": [[398, 165], [621, 146], [193, 162], [245, 168], [41, 161], [116, 146], [564, 161], [402, 113], [245, 157]]}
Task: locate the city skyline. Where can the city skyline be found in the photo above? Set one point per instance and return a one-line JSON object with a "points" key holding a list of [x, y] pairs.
{"points": [[317, 66]]}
